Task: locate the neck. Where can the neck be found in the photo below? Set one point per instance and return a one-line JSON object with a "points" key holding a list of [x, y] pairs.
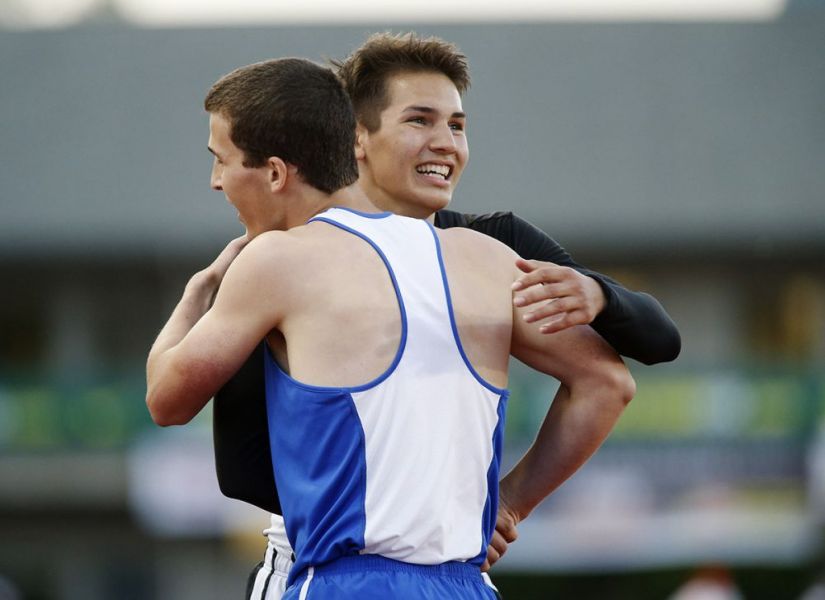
{"points": [[385, 202], [353, 197], [314, 201]]}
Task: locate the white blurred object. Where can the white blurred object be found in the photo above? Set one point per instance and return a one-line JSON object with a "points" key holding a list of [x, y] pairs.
{"points": [[173, 489], [815, 592], [183, 12], [816, 476], [45, 14], [8, 591], [711, 583]]}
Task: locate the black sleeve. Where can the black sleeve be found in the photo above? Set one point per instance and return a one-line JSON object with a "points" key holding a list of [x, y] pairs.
{"points": [[242, 458], [634, 323]]}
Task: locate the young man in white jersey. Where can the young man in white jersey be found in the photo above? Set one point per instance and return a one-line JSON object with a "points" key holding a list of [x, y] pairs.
{"points": [[350, 349], [411, 152]]}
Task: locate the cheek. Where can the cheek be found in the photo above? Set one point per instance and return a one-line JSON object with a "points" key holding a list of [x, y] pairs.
{"points": [[463, 150], [239, 179], [404, 146]]}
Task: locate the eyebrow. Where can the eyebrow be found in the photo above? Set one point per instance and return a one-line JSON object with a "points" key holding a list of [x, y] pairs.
{"points": [[431, 110]]}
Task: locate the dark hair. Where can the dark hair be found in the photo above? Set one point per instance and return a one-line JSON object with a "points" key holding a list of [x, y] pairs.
{"points": [[293, 109], [365, 72]]}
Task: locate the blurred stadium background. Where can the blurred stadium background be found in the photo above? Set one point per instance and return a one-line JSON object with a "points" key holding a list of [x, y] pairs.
{"points": [[677, 146]]}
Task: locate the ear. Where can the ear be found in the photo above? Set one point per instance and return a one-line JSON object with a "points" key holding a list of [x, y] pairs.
{"points": [[278, 173], [361, 139]]}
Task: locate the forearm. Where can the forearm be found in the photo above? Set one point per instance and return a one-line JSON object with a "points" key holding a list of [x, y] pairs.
{"points": [[577, 423], [195, 302], [636, 325], [196, 299]]}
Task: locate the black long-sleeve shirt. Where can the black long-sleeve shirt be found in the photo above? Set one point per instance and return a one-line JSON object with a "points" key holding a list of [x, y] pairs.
{"points": [[634, 323]]}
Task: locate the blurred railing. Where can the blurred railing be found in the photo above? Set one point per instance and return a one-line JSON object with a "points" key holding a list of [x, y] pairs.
{"points": [[39, 412]]}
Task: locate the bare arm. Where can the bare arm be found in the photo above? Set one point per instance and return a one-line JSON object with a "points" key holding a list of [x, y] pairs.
{"points": [[200, 347], [595, 388]]}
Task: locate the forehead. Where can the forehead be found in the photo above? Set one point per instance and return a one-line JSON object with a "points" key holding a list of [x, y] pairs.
{"points": [[219, 133], [434, 90]]}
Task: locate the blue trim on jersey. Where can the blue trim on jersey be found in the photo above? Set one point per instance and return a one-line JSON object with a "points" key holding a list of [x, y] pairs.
{"points": [[360, 213], [402, 344], [488, 516], [458, 343]]}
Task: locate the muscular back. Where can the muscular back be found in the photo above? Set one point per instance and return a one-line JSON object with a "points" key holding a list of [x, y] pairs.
{"points": [[342, 323]]}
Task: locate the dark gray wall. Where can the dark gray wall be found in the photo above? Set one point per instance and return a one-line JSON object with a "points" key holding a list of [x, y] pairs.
{"points": [[620, 138]]}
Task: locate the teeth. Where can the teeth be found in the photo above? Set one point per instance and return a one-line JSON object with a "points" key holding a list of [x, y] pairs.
{"points": [[431, 169]]}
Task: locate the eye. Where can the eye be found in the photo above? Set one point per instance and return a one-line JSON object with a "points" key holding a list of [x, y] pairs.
{"points": [[418, 120], [457, 126]]}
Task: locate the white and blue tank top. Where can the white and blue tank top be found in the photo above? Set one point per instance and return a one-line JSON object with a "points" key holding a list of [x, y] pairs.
{"points": [[405, 466]]}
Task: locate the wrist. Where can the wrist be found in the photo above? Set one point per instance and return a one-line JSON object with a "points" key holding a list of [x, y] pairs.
{"points": [[511, 501], [598, 294], [602, 296], [201, 289]]}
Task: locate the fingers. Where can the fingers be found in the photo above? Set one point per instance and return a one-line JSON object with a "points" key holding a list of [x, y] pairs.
{"points": [[229, 254], [234, 247], [526, 265], [495, 550], [563, 307], [561, 296], [539, 293], [536, 272], [492, 558], [564, 321], [558, 315], [504, 534], [505, 530]]}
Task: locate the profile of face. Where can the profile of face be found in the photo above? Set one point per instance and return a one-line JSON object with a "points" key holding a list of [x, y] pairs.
{"points": [[412, 163], [246, 188]]}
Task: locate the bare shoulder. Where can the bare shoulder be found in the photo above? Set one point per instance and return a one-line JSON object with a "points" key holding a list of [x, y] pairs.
{"points": [[281, 256], [475, 246], [267, 263], [282, 247], [267, 248], [267, 277]]}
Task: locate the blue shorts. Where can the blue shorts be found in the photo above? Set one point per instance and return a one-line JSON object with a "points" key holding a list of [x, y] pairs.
{"points": [[372, 577]]}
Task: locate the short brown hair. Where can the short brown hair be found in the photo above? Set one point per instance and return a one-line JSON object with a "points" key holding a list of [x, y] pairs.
{"points": [[293, 109], [365, 72]]}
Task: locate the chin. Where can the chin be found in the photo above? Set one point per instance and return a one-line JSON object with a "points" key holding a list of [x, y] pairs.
{"points": [[436, 204]]}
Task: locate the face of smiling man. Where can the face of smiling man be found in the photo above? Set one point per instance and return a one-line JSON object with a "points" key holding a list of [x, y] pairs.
{"points": [[411, 164]]}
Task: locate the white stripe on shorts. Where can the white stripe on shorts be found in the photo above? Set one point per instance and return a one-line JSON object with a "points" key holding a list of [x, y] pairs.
{"points": [[305, 587], [270, 581]]}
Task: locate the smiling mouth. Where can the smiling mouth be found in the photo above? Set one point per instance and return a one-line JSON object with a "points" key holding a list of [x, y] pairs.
{"points": [[443, 171]]}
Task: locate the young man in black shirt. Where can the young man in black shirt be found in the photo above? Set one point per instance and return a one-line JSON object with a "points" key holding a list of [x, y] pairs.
{"points": [[410, 159]]}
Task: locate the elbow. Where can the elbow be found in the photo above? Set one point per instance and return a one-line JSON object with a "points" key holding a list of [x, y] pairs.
{"points": [[163, 413], [619, 385], [608, 385], [628, 387]]}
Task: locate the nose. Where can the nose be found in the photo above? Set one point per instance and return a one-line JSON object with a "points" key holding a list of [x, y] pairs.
{"points": [[443, 140], [215, 177]]}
